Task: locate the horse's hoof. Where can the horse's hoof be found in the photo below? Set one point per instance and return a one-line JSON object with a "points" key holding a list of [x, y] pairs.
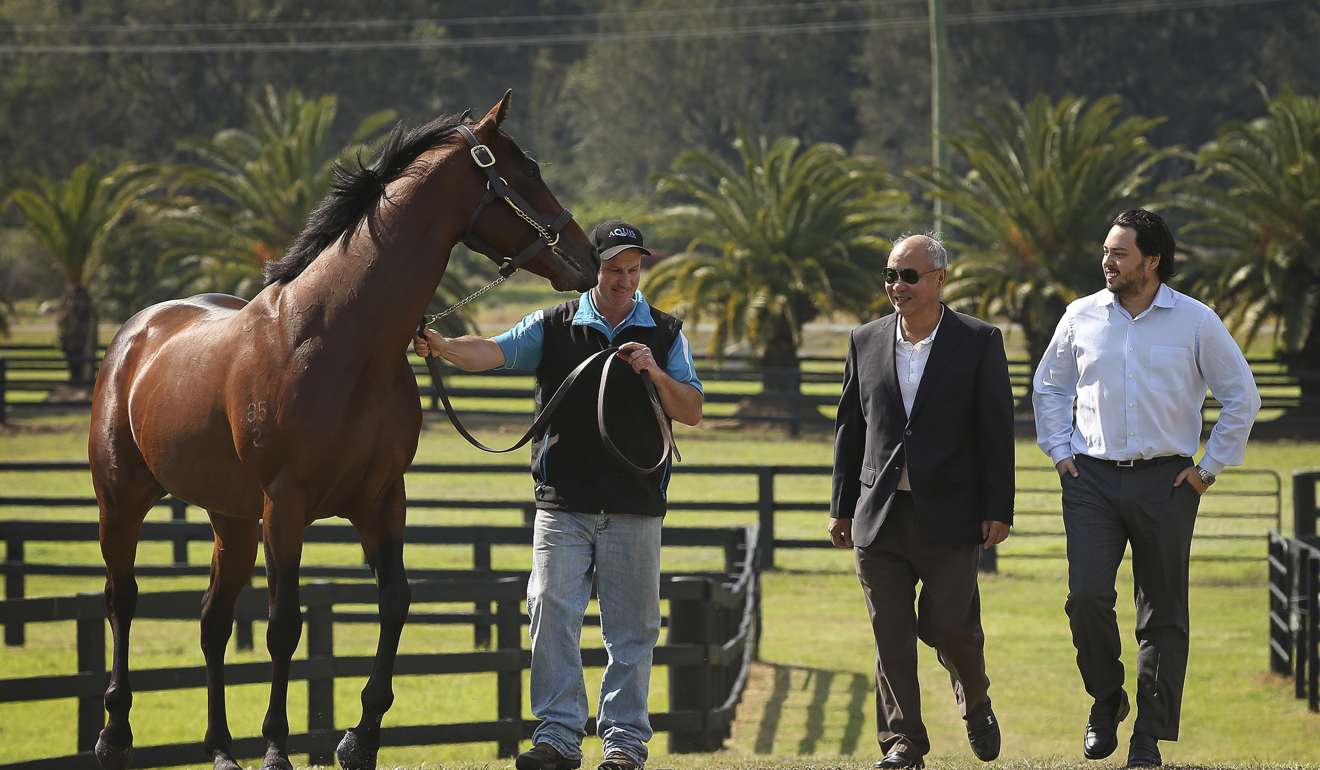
{"points": [[276, 760], [354, 753], [223, 761], [111, 757]]}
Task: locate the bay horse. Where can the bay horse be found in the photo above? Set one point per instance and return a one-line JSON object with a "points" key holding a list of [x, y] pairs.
{"points": [[300, 405]]}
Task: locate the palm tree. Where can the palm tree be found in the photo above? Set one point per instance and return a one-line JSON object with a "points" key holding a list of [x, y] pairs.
{"points": [[1256, 203], [1042, 183], [72, 220], [779, 237], [248, 191]]}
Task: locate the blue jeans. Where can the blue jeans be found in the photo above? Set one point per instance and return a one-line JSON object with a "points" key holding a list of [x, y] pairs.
{"points": [[624, 554]]}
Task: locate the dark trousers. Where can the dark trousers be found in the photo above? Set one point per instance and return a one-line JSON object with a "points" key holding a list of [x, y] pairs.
{"points": [[1104, 509], [947, 617]]}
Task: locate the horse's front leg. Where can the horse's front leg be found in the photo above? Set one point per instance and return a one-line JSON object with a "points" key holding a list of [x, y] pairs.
{"points": [[283, 522], [381, 532], [233, 553]]}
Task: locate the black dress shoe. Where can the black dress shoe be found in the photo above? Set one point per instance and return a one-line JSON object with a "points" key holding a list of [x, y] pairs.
{"points": [[1102, 728], [983, 734], [543, 756], [898, 758], [1143, 751]]}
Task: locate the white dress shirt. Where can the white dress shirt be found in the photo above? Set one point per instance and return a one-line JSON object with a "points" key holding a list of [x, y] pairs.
{"points": [[910, 362], [1139, 383]]}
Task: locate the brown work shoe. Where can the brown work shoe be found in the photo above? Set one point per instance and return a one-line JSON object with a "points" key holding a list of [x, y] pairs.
{"points": [[617, 760]]}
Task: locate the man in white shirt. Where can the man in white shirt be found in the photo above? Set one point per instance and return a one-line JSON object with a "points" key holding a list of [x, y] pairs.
{"points": [[923, 478], [1135, 358]]}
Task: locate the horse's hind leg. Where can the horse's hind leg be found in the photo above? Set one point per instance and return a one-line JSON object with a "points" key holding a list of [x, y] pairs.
{"points": [[125, 491], [381, 532], [232, 556]]}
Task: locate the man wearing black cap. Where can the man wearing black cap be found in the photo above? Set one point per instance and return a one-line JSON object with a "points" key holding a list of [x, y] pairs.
{"points": [[594, 515]]}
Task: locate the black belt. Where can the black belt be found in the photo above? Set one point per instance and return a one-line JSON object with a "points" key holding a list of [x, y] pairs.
{"points": [[1134, 463]]}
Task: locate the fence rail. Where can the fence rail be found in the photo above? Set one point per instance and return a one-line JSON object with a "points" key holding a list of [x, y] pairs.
{"points": [[16, 534], [1242, 508], [23, 370], [713, 631], [1294, 595]]}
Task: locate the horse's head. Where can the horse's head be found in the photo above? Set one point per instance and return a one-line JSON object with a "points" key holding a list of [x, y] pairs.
{"points": [[519, 222]]}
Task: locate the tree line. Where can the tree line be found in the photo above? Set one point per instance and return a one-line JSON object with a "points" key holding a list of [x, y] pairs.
{"points": [[775, 147]]}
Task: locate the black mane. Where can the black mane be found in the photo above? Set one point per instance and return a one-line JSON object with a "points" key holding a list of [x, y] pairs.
{"points": [[355, 193]]}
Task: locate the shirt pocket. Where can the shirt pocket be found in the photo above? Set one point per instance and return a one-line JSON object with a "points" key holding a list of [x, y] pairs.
{"points": [[1172, 366]]}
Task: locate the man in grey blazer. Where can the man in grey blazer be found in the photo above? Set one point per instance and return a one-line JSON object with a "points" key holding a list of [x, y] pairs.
{"points": [[923, 478]]}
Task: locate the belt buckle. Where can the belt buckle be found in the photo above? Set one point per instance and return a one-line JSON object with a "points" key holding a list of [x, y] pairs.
{"points": [[1125, 463]]}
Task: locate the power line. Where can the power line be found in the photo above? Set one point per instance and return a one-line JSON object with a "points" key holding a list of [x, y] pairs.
{"points": [[457, 21], [968, 19]]}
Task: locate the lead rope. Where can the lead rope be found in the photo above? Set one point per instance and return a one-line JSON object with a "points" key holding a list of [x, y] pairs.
{"points": [[543, 419]]}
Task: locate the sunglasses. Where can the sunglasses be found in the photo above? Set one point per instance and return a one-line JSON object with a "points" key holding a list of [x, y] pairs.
{"points": [[908, 275]]}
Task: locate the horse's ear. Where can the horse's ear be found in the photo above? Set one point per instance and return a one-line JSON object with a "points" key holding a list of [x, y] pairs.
{"points": [[500, 111]]}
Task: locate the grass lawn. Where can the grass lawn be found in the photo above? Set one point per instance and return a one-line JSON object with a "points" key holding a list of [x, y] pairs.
{"points": [[810, 702]]}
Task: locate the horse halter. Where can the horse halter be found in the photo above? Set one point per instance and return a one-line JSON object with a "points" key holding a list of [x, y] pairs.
{"points": [[547, 229]]}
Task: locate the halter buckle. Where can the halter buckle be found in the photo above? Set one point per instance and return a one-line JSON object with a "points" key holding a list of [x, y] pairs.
{"points": [[482, 155]]}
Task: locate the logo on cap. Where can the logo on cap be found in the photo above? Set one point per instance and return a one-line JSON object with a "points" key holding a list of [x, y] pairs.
{"points": [[614, 236]]}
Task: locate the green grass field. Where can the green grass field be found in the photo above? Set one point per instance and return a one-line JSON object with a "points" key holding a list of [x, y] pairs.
{"points": [[810, 701]]}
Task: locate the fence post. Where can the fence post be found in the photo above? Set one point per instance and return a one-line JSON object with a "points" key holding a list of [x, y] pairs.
{"points": [[4, 391], [321, 687], [1279, 582], [243, 627], [692, 622], [1301, 639], [15, 585], [481, 610], [1304, 508], [1313, 631], [989, 560], [179, 513], [735, 551], [91, 660], [765, 516], [508, 626]]}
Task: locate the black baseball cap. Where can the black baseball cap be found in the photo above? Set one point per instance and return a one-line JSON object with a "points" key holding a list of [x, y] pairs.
{"points": [[614, 236]]}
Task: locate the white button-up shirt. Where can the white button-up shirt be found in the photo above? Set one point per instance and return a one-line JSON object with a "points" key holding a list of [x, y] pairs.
{"points": [[1139, 383], [910, 362]]}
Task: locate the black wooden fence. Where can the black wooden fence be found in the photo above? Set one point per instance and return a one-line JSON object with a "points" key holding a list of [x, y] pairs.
{"points": [[43, 370], [713, 631], [17, 533], [1242, 507], [1294, 586]]}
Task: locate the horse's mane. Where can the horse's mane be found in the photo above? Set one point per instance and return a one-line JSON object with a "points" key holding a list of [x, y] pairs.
{"points": [[355, 193]]}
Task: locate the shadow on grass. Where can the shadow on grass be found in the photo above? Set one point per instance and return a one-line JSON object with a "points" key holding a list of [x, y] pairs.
{"points": [[821, 684]]}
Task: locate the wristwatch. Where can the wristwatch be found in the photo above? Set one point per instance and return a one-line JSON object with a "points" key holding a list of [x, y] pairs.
{"points": [[1207, 477]]}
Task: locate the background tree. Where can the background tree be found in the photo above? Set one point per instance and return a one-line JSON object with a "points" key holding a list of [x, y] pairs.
{"points": [[1058, 55], [630, 109], [248, 191], [1027, 215], [782, 236], [1256, 203], [72, 220]]}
